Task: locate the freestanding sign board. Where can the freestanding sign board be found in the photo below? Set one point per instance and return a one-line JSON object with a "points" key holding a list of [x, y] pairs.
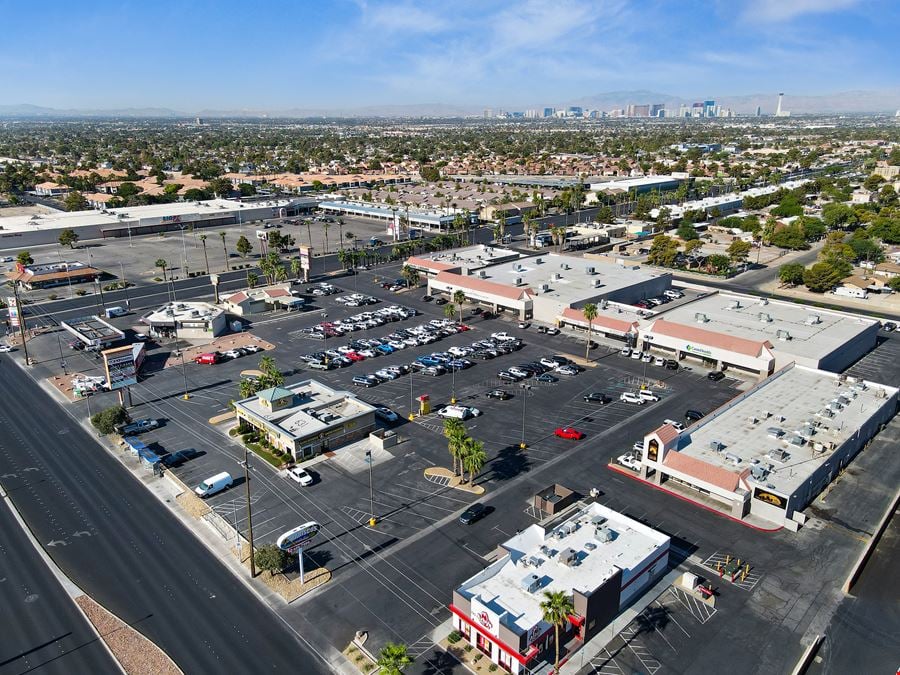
{"points": [[120, 367], [294, 541], [13, 311]]}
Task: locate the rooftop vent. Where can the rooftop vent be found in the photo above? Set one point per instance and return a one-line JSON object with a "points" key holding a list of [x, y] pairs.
{"points": [[603, 534], [813, 319], [531, 583], [734, 305], [783, 335], [538, 261], [543, 288], [589, 270], [716, 446], [701, 318], [734, 459], [518, 281], [597, 283], [764, 318], [759, 473], [779, 455]]}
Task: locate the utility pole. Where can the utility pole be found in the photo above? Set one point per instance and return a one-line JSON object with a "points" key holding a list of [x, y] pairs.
{"points": [[125, 285], [372, 519], [20, 316], [249, 512], [525, 388]]}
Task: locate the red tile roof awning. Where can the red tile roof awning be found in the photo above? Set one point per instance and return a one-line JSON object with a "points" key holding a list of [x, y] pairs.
{"points": [[599, 322], [704, 471], [710, 338], [484, 286]]}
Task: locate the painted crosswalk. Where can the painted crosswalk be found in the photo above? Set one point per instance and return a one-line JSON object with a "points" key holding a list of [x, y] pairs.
{"points": [[697, 608]]}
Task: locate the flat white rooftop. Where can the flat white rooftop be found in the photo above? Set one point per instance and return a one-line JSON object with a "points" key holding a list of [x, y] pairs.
{"points": [[535, 552], [801, 331], [799, 411], [133, 214], [472, 257], [568, 278], [184, 311]]}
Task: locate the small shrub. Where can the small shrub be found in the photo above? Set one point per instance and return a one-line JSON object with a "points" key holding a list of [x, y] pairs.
{"points": [[468, 648], [157, 278], [477, 658], [454, 637], [492, 667], [81, 292], [52, 296]]}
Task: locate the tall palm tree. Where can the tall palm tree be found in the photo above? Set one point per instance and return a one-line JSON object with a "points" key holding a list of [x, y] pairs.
{"points": [[205, 256], [556, 607], [340, 229], [459, 297], [392, 659], [473, 457], [295, 267], [590, 313], [224, 248], [350, 238], [455, 433]]}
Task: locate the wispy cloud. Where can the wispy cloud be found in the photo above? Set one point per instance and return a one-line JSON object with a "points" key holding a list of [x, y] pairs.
{"points": [[776, 11]]}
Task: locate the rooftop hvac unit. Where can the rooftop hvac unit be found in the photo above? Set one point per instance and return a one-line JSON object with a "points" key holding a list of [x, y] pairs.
{"points": [[543, 288], [716, 446], [700, 317], [565, 266], [589, 270], [538, 261], [531, 583], [734, 305], [603, 534], [759, 473], [766, 414], [753, 419], [556, 276], [482, 274], [783, 335], [827, 412], [597, 283], [603, 303], [734, 459], [779, 455], [568, 557], [813, 319], [764, 318], [518, 281]]}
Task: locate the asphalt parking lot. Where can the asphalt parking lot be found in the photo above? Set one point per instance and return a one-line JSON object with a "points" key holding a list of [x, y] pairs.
{"points": [[395, 580]]}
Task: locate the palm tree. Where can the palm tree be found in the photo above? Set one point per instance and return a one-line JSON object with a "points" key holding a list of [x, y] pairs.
{"points": [[252, 279], [325, 227], [280, 273], [205, 256], [392, 659], [224, 248], [557, 607], [340, 229], [459, 297], [590, 313], [162, 264], [309, 231], [449, 310], [350, 238], [473, 457], [296, 267], [455, 433]]}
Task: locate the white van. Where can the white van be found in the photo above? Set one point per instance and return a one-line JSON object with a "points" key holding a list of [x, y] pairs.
{"points": [[849, 292], [455, 411], [214, 485], [115, 311]]}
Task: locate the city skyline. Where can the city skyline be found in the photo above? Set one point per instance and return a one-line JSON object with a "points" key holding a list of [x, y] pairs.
{"points": [[513, 55]]}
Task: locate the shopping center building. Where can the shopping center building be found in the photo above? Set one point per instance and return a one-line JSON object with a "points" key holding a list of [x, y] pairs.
{"points": [[186, 321], [766, 454], [600, 558]]}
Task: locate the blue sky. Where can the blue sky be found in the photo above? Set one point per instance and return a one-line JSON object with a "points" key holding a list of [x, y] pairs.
{"points": [[198, 54]]}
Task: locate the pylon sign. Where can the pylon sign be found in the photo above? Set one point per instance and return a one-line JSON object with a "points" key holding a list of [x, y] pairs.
{"points": [[298, 538]]}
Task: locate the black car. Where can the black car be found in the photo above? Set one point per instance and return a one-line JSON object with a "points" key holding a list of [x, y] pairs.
{"points": [[499, 394], [441, 301], [715, 375], [476, 311], [693, 415], [596, 397], [473, 513], [671, 364], [889, 327], [178, 458], [427, 298]]}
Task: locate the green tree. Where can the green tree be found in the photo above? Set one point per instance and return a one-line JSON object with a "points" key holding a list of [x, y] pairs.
{"points": [[75, 201], [813, 228], [195, 195], [248, 387], [430, 174], [789, 206], [24, 258], [392, 659], [68, 237], [590, 313], [604, 215], [244, 247], [738, 250], [821, 277], [455, 433], [791, 274], [837, 216], [556, 609], [866, 249], [271, 376], [837, 254], [128, 189], [271, 559], [252, 279], [687, 232], [473, 457], [894, 284], [718, 263], [246, 189], [663, 219], [220, 186], [449, 310], [692, 245], [410, 275], [872, 182], [107, 420], [163, 265], [459, 297], [662, 251], [789, 237], [296, 267]]}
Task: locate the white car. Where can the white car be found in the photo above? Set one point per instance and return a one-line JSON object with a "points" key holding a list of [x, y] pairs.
{"points": [[637, 355], [647, 395], [299, 475], [677, 425], [474, 412], [647, 358], [626, 352], [386, 414], [232, 354], [629, 397], [628, 460], [659, 361], [673, 294], [5, 349]]}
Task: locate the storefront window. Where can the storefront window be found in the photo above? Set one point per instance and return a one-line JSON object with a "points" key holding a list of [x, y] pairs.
{"points": [[484, 644]]}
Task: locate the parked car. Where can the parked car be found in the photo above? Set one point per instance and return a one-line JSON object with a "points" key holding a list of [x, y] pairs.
{"points": [[214, 485], [300, 475], [179, 457], [137, 427], [473, 513], [499, 394], [659, 361], [507, 376], [629, 461], [647, 395], [5, 349], [569, 433], [208, 358], [567, 370], [233, 354], [252, 349], [625, 351], [671, 364], [440, 301], [365, 380], [631, 397], [677, 425], [693, 415], [546, 378], [596, 397], [386, 415], [715, 375], [889, 327]]}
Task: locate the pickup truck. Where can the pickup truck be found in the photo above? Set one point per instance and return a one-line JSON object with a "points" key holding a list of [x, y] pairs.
{"points": [[137, 427]]}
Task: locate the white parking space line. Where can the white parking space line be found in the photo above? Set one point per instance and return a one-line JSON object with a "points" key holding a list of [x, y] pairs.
{"points": [[605, 664]]}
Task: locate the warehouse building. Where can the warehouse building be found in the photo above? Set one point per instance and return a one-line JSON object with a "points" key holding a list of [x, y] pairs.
{"points": [[600, 558], [306, 418], [45, 228], [187, 321], [766, 454], [542, 287], [757, 335]]}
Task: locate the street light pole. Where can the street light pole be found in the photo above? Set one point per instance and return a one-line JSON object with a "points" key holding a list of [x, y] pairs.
{"points": [[20, 315], [372, 519], [249, 512], [125, 285], [523, 445], [411, 411]]}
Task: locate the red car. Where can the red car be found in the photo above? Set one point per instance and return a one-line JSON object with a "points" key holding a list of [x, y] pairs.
{"points": [[353, 356], [570, 433]]}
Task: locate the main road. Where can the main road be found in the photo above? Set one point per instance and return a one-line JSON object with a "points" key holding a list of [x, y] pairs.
{"points": [[114, 539]]}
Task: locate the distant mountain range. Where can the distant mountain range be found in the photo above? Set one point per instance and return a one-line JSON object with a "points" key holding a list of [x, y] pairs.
{"points": [[862, 101]]}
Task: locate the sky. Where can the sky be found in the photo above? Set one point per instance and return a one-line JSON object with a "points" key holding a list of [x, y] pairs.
{"points": [[275, 55]]}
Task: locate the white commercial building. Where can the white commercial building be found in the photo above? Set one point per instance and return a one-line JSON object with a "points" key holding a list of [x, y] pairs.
{"points": [[467, 260], [600, 558], [768, 452], [757, 335], [186, 320]]}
